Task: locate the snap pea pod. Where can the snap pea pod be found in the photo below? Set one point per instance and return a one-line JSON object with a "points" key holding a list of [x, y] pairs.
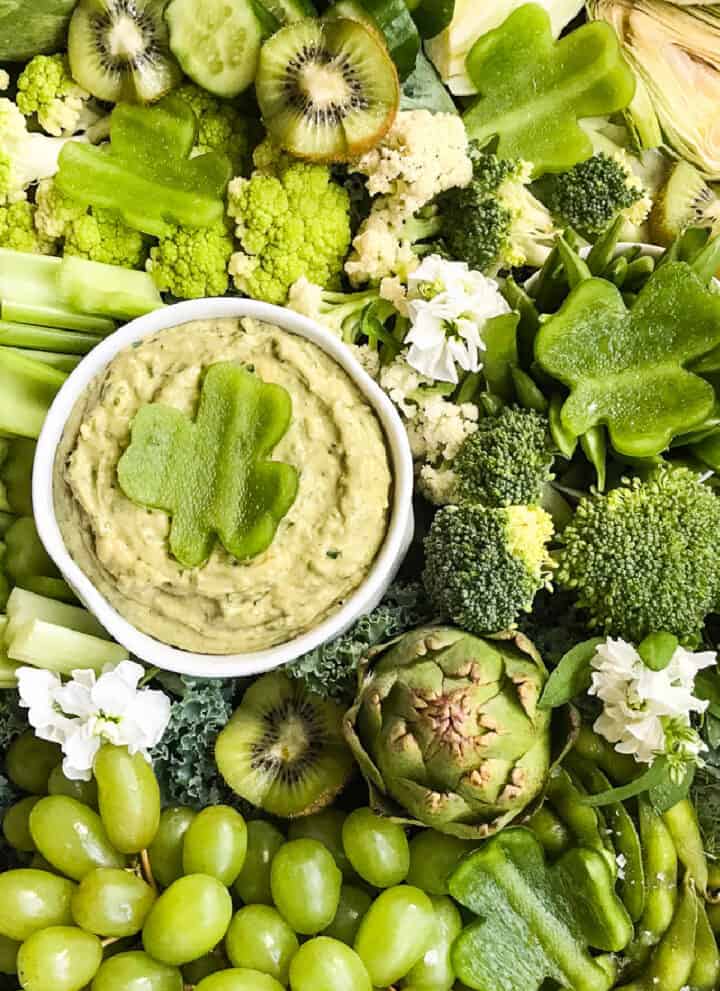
{"points": [[603, 251], [638, 272], [682, 822], [582, 820], [529, 321], [550, 830], [661, 870], [617, 272], [705, 973], [576, 270], [620, 768], [624, 835], [528, 393]]}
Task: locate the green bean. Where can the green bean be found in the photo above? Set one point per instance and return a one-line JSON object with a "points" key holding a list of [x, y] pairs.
{"points": [[661, 870], [529, 322], [528, 392], [603, 251], [620, 768], [617, 272], [582, 820], [550, 830], [624, 836], [682, 822], [639, 271], [671, 962], [576, 270], [705, 973]]}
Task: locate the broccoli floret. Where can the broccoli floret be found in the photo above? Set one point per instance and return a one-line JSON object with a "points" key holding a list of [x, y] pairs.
{"points": [[483, 567], [87, 232], [495, 222], [221, 127], [644, 557], [46, 88], [192, 262], [591, 194], [291, 223], [25, 158], [507, 461], [18, 231]]}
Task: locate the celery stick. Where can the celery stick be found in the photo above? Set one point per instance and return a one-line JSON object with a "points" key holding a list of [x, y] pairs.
{"points": [[24, 606], [46, 645], [24, 335], [51, 588], [65, 362], [27, 388], [8, 678], [16, 473], [23, 311], [108, 289]]}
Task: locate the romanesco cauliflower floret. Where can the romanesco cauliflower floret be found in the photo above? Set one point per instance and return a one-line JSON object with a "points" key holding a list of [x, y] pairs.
{"points": [[24, 158], [221, 127], [192, 262], [87, 232], [291, 224], [46, 88], [17, 229]]}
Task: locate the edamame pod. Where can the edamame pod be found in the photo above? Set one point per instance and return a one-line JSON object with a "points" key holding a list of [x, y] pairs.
{"points": [[661, 871], [682, 822], [582, 820], [550, 830], [128, 798], [705, 973], [620, 768], [672, 960]]}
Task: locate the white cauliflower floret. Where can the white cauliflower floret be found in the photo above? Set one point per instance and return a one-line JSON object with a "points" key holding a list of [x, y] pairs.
{"points": [[438, 485], [25, 158], [403, 384], [368, 357], [439, 427], [379, 249], [422, 155], [305, 297], [395, 292]]}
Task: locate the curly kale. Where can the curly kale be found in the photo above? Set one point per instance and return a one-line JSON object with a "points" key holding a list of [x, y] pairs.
{"points": [[555, 625], [331, 669], [507, 461], [644, 556], [184, 760], [484, 566]]}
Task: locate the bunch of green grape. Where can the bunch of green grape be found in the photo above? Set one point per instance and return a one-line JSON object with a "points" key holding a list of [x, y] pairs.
{"points": [[119, 895]]}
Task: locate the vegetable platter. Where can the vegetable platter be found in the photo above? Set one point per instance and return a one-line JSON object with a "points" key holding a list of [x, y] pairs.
{"points": [[506, 776]]}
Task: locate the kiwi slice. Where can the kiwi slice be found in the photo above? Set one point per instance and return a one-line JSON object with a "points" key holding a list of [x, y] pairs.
{"points": [[328, 90], [686, 200], [118, 50], [283, 750]]}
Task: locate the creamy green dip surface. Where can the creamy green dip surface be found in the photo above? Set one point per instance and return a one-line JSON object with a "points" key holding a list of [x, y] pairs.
{"points": [[324, 547]]}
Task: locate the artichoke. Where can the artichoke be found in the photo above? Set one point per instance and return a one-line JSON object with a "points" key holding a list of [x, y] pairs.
{"points": [[447, 729], [674, 50]]}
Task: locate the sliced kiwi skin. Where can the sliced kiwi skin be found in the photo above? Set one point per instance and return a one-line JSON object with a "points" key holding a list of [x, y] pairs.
{"points": [[686, 200], [328, 90]]}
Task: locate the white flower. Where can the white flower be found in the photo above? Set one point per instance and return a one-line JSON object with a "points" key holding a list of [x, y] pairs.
{"points": [[642, 708], [88, 711], [448, 305]]}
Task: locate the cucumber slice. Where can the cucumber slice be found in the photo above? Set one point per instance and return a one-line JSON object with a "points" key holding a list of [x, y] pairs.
{"points": [[393, 20], [216, 42]]}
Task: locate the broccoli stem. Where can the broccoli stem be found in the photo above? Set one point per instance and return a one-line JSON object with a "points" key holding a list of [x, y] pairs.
{"points": [[24, 335], [27, 388]]}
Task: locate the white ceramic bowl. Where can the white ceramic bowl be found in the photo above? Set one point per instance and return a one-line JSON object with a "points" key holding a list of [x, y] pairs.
{"points": [[147, 648]]}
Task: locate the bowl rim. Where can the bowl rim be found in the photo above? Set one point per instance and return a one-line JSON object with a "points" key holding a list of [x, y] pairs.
{"points": [[149, 649]]}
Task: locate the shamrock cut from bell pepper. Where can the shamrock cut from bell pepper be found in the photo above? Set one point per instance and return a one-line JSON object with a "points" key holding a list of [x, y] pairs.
{"points": [[213, 475], [627, 369], [146, 174], [533, 89], [536, 922]]}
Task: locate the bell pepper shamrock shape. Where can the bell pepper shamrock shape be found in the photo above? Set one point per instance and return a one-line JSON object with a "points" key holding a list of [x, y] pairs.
{"points": [[537, 922], [534, 89], [213, 476]]}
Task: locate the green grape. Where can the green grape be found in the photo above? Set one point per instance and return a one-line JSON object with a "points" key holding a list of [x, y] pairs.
{"points": [[396, 931], [29, 762], [84, 791], [260, 939], [216, 844], [39, 863], [194, 971], [376, 847], [111, 902], [324, 964], [166, 850], [136, 971], [433, 858], [305, 882], [128, 798], [71, 836], [8, 955], [327, 827], [61, 958], [434, 969], [188, 920], [239, 979], [32, 900], [354, 903], [16, 824], [253, 883]]}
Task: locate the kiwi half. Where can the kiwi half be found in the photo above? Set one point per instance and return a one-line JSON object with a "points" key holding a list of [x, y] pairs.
{"points": [[283, 750], [686, 200], [328, 90], [118, 50]]}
